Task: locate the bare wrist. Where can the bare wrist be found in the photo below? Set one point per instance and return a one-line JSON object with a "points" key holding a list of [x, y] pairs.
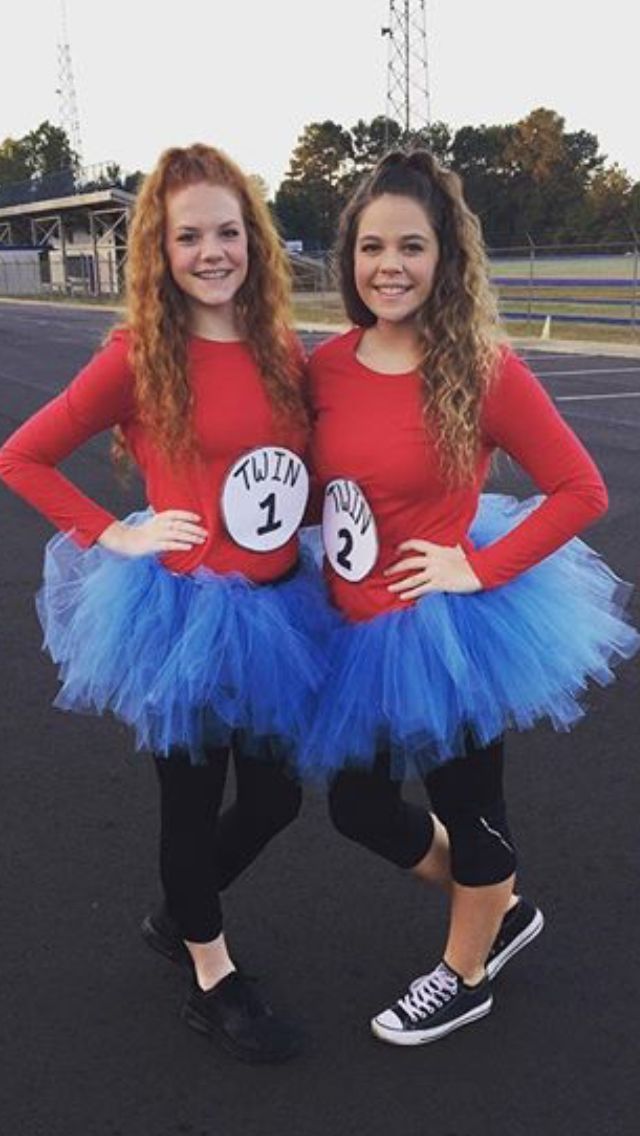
{"points": [[113, 537]]}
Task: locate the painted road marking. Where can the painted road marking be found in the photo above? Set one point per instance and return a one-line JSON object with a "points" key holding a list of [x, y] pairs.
{"points": [[594, 397], [598, 371]]}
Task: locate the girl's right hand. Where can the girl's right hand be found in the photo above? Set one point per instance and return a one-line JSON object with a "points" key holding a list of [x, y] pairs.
{"points": [[175, 530]]}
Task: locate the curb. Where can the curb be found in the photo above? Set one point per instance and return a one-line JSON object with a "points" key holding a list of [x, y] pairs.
{"points": [[546, 346], [531, 343]]}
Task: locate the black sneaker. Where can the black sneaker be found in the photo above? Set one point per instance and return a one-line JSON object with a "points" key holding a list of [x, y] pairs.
{"points": [[233, 1014], [434, 1006], [519, 927], [160, 932]]}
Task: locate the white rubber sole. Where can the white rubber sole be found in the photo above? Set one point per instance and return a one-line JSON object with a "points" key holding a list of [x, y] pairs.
{"points": [[423, 1037], [525, 937]]}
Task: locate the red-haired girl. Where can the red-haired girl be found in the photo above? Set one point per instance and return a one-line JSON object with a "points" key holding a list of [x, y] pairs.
{"points": [[195, 621], [466, 615]]}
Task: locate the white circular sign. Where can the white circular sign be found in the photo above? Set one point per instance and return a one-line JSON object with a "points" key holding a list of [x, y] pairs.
{"points": [[349, 530], [264, 498]]}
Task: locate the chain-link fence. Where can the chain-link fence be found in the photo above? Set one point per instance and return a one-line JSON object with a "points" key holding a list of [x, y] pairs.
{"points": [[561, 287], [568, 288], [68, 182], [41, 273], [574, 284]]}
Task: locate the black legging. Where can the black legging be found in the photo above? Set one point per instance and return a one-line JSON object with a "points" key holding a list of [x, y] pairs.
{"points": [[201, 851], [466, 795]]}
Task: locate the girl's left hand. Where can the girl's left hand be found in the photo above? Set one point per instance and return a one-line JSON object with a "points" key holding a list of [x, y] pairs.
{"points": [[434, 568]]}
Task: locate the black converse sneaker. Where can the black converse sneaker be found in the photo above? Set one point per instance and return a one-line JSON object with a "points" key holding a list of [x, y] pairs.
{"points": [[519, 927], [434, 1006]]}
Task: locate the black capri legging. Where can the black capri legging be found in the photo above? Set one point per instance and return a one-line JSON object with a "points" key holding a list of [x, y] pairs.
{"points": [[202, 850], [466, 795]]}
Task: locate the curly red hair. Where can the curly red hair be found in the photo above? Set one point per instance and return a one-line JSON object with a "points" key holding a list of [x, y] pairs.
{"points": [[157, 313]]}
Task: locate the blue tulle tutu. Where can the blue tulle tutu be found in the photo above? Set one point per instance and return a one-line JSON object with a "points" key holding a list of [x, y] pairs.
{"points": [[419, 681], [185, 660]]}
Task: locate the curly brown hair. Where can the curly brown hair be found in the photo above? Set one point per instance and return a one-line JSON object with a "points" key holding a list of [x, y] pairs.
{"points": [[157, 312], [459, 321]]}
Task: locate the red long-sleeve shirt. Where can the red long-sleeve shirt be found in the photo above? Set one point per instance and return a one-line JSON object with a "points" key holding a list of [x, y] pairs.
{"points": [[232, 415], [370, 429]]}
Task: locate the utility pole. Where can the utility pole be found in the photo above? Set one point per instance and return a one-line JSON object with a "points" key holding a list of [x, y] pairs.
{"points": [[66, 90], [408, 97]]}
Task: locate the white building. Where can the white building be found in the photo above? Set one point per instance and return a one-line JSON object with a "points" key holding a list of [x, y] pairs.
{"points": [[20, 271], [79, 242]]}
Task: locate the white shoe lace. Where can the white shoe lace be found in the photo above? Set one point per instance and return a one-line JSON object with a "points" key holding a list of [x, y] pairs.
{"points": [[430, 993]]}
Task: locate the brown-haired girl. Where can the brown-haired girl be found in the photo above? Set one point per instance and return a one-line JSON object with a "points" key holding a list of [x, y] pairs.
{"points": [[194, 621], [466, 615]]}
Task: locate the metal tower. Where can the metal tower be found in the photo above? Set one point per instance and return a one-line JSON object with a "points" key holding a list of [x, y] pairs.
{"points": [[66, 90], [408, 100]]}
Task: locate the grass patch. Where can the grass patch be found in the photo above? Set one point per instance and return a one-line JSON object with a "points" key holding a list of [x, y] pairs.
{"points": [[319, 307], [568, 332]]}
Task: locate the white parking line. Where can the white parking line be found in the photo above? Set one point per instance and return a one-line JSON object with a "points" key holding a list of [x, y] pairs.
{"points": [[597, 371], [559, 357], [594, 397], [50, 391]]}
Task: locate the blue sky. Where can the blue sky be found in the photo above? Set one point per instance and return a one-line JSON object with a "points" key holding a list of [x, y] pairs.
{"points": [[249, 76]]}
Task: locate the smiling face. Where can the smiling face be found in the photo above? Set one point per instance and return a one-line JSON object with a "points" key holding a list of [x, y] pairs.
{"points": [[207, 249], [395, 258]]}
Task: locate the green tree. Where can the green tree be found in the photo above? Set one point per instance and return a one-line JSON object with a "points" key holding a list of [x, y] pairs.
{"points": [[436, 137], [536, 146], [14, 163], [323, 153], [132, 182], [308, 201], [609, 206], [370, 140], [479, 154], [113, 173], [307, 211], [48, 150], [327, 164], [526, 179], [550, 173], [634, 211], [42, 151]]}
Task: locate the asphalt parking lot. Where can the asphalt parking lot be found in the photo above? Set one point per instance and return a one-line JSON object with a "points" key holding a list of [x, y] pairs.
{"points": [[91, 1041]]}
